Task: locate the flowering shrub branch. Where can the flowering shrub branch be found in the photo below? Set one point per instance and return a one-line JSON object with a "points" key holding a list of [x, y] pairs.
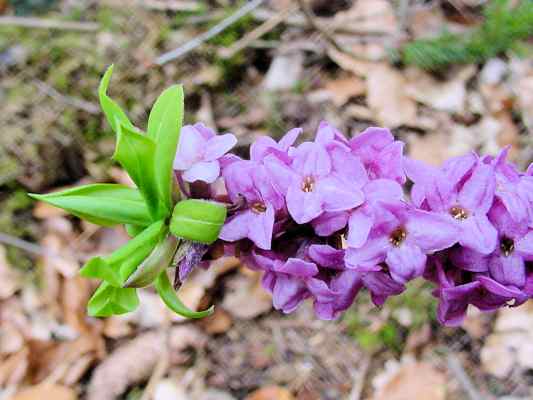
{"points": [[322, 220]]}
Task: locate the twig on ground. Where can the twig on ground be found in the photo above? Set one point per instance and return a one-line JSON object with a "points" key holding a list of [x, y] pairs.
{"points": [[298, 19], [359, 379], [199, 40], [41, 23], [173, 5], [256, 33], [327, 33], [68, 100], [162, 365], [22, 244], [458, 371]]}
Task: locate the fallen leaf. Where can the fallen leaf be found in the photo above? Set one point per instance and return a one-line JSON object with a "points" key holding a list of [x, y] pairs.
{"points": [[432, 148], [168, 389], [44, 210], [14, 368], [48, 391], [218, 322], [344, 88], [448, 95], [56, 359], [369, 56], [11, 339], [387, 98], [271, 393], [413, 381], [511, 343], [111, 378], [284, 72], [246, 298], [522, 84], [368, 16]]}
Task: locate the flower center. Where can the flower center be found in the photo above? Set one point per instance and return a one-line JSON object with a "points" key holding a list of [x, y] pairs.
{"points": [[458, 213], [506, 246], [397, 236], [258, 207], [308, 184]]}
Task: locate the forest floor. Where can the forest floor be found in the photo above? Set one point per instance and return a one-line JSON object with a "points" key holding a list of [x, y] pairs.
{"points": [[273, 69]]}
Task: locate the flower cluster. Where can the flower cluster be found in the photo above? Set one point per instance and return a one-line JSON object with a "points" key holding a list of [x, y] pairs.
{"points": [[327, 218]]}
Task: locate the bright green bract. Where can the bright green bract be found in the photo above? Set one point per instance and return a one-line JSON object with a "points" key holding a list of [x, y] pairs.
{"points": [[145, 211], [102, 204], [198, 220], [168, 295]]}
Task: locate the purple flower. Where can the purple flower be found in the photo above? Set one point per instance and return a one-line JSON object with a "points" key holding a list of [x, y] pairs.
{"points": [[250, 181], [265, 146], [463, 193], [333, 297], [454, 293], [285, 279], [198, 152], [513, 189], [504, 272], [401, 238], [312, 185], [380, 153], [361, 219]]}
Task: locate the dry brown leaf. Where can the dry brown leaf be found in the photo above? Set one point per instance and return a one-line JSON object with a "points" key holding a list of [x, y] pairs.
{"points": [[135, 360], [511, 343], [522, 83], [219, 322], [54, 361], [449, 95], [344, 88], [358, 66], [168, 389], [284, 72], [116, 327], [10, 279], [14, 368], [246, 298], [48, 391], [432, 148], [75, 294], [368, 16], [11, 339], [271, 393], [387, 98], [44, 210], [425, 22], [413, 381]]}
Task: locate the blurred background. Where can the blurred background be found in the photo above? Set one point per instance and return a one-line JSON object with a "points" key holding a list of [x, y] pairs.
{"points": [[447, 76]]}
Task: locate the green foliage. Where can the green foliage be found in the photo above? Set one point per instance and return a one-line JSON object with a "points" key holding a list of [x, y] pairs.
{"points": [[197, 220], [164, 125], [102, 204], [168, 295], [157, 261], [504, 27], [145, 211]]}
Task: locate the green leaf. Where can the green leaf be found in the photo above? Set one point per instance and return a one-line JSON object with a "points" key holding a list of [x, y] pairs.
{"points": [[98, 268], [198, 220], [133, 230], [169, 297], [102, 203], [164, 125], [109, 300], [112, 110], [136, 153], [119, 265], [160, 259]]}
